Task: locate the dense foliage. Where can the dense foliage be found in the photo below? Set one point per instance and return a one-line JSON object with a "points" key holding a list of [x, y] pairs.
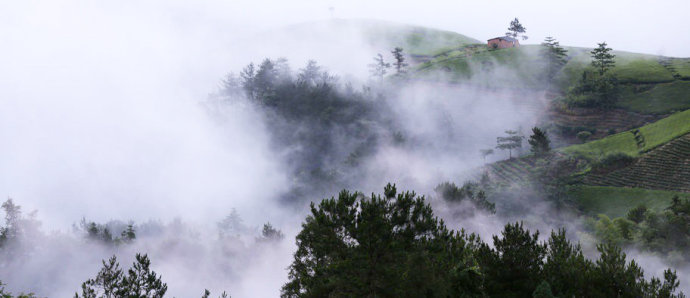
{"points": [[597, 88], [392, 245], [666, 232], [325, 128], [469, 192]]}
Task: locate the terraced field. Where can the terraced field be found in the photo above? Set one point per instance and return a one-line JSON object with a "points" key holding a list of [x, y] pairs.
{"points": [[603, 121], [513, 171], [655, 134], [664, 168]]}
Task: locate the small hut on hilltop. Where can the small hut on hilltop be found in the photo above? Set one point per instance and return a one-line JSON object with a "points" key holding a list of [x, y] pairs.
{"points": [[503, 42]]}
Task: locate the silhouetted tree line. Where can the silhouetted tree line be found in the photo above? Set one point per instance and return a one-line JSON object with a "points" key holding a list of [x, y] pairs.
{"points": [[392, 245]]}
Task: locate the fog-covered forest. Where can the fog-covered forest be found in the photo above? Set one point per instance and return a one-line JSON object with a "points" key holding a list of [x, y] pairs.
{"points": [[219, 150]]}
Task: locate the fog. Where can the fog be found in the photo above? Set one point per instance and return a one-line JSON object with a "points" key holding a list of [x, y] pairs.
{"points": [[105, 114]]}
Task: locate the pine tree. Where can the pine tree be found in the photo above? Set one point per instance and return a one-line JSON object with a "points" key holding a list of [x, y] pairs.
{"points": [[554, 57], [539, 142], [602, 59], [516, 29], [400, 65], [379, 68], [512, 141], [111, 281]]}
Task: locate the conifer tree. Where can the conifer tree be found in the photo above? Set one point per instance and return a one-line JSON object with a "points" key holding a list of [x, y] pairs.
{"points": [[554, 56], [516, 29], [539, 142], [400, 65], [379, 68], [512, 141], [602, 59]]}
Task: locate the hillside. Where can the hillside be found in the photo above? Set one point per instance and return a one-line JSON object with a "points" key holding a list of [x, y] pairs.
{"points": [[652, 135], [415, 40], [664, 168]]}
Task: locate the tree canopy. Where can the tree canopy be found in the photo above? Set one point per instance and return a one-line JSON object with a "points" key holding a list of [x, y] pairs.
{"points": [[392, 245]]}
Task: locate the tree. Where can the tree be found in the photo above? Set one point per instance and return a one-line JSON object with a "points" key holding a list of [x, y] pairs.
{"points": [[584, 135], [543, 291], [13, 215], [566, 269], [270, 234], [516, 29], [309, 74], [379, 68], [539, 142], [207, 294], [470, 191], [602, 59], [554, 57], [128, 235], [388, 245], [512, 141], [614, 276], [111, 281], [515, 265], [400, 65], [485, 153]]}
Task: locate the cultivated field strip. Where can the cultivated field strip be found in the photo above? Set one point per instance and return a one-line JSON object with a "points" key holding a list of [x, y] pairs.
{"points": [[516, 170], [664, 168]]}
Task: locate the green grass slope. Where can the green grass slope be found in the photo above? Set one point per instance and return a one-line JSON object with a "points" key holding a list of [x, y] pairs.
{"points": [[655, 134], [511, 67], [631, 68], [616, 201], [657, 98]]}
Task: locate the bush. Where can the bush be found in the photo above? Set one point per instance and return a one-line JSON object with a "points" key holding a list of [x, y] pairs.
{"points": [[584, 135], [612, 162], [594, 91]]}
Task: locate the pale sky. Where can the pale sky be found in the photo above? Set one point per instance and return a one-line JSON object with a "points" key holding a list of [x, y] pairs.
{"points": [[653, 27]]}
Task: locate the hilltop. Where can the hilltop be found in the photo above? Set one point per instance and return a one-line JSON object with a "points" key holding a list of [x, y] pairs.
{"points": [[416, 40]]}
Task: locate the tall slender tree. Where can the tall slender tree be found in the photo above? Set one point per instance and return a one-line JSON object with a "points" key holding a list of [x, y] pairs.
{"points": [[602, 59], [379, 68], [539, 142], [399, 64], [553, 55]]}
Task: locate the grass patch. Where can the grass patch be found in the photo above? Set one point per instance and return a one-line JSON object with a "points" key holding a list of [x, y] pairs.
{"points": [[682, 66], [632, 70], [415, 40], [616, 201], [661, 98], [655, 134], [510, 67]]}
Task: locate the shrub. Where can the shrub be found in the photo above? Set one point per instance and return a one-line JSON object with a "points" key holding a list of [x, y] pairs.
{"points": [[612, 162], [584, 135]]}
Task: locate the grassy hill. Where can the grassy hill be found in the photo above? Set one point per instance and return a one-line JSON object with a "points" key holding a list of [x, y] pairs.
{"points": [[383, 35], [650, 84], [655, 134]]}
